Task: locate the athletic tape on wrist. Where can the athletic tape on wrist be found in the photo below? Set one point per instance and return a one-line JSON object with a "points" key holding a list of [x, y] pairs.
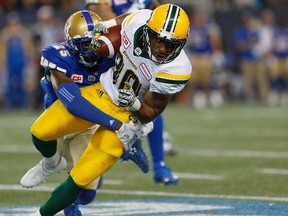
{"points": [[135, 106], [110, 23]]}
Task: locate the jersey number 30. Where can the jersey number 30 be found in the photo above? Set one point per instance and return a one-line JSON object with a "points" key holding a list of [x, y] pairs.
{"points": [[128, 75]]}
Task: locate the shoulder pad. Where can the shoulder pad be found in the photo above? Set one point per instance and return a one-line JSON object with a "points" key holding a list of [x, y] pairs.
{"points": [[57, 57], [140, 16]]}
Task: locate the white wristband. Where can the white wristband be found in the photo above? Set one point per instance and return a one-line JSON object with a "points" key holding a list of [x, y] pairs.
{"points": [[135, 106], [110, 23]]}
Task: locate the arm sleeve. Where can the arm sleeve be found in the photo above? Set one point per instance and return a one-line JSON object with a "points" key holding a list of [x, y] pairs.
{"points": [[70, 96]]}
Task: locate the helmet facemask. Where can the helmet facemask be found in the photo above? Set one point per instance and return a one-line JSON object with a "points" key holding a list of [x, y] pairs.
{"points": [[173, 47], [165, 33], [81, 48]]}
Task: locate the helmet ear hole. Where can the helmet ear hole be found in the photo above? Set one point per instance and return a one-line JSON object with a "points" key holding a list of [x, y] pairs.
{"points": [[170, 24]]}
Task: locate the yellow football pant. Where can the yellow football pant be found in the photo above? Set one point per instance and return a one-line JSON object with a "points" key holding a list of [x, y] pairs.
{"points": [[104, 148], [72, 147]]}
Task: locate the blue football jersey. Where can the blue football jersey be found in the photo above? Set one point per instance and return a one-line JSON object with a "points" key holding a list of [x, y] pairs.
{"points": [[121, 6], [59, 57]]}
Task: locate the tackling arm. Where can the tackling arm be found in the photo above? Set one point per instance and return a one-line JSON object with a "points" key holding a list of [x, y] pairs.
{"points": [[127, 133], [69, 94]]}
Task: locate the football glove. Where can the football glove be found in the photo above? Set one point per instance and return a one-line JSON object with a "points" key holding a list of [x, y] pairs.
{"points": [[147, 128], [127, 98], [128, 134], [100, 28]]}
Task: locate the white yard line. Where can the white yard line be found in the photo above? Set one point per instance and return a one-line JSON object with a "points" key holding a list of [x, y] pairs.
{"points": [[236, 132], [131, 208], [236, 153], [157, 194], [14, 148], [273, 171], [191, 195], [199, 176]]}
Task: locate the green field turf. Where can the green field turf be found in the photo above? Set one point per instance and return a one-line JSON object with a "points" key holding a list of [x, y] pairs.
{"points": [[235, 150]]}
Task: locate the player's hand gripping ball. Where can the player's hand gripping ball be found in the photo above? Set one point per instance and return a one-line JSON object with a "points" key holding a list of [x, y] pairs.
{"points": [[110, 42]]}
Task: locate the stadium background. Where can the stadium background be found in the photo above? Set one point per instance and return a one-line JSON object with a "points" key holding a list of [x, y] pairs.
{"points": [[231, 160]]}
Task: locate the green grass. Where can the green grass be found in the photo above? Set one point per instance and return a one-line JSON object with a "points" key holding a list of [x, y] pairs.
{"points": [[234, 142]]}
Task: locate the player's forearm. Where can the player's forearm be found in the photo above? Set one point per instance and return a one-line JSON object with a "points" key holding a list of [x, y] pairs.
{"points": [[152, 106], [145, 114], [109, 23], [70, 96]]}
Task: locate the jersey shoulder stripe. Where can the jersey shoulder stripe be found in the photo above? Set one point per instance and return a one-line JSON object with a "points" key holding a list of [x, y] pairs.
{"points": [[57, 56], [50, 65], [138, 18], [130, 17], [172, 78]]}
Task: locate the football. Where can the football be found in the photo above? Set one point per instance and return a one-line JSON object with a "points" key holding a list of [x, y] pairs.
{"points": [[110, 42]]}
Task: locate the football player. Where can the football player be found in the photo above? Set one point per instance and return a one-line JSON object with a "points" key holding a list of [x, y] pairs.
{"points": [[83, 71], [67, 63], [73, 145], [149, 56], [159, 141]]}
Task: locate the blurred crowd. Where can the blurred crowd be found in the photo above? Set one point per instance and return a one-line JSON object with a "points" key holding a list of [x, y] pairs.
{"points": [[26, 27], [238, 51]]}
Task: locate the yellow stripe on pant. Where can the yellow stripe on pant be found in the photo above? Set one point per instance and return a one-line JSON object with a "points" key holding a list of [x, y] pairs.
{"points": [[104, 148]]}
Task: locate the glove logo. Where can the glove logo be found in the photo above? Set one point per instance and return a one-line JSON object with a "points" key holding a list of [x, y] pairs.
{"points": [[111, 122]]}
